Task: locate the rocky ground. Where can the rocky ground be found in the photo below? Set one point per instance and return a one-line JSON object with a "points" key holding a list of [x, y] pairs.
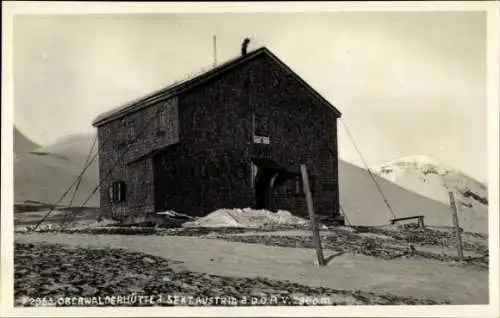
{"points": [[386, 243], [397, 243], [44, 272], [51, 270]]}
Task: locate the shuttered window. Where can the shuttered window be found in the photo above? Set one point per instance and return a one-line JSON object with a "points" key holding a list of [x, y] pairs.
{"points": [[116, 191]]}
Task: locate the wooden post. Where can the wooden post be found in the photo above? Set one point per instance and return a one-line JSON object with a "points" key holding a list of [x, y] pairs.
{"points": [[312, 216], [456, 226]]}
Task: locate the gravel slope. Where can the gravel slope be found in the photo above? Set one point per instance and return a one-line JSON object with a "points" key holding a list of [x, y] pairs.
{"points": [[51, 271], [406, 276]]}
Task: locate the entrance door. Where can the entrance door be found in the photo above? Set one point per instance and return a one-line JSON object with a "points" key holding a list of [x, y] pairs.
{"points": [[270, 175], [263, 188]]}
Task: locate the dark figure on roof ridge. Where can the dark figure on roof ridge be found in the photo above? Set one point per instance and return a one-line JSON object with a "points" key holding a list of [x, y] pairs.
{"points": [[244, 46]]}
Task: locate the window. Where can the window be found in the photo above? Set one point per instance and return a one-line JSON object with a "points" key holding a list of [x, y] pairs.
{"points": [[121, 135], [130, 131], [260, 125], [161, 123], [116, 191], [296, 186], [162, 120]]}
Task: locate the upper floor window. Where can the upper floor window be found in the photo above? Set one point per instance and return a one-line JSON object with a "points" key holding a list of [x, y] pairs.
{"points": [[130, 131], [121, 135], [162, 119], [260, 125], [161, 123]]}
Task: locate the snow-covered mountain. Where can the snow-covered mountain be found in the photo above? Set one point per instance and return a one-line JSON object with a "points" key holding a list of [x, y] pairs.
{"points": [[426, 176]]}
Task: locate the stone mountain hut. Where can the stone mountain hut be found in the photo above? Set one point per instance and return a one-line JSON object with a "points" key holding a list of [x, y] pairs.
{"points": [[232, 137]]}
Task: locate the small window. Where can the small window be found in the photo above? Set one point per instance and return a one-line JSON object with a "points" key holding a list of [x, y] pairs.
{"points": [[116, 191], [130, 131], [119, 136], [260, 125], [296, 186], [162, 120]]}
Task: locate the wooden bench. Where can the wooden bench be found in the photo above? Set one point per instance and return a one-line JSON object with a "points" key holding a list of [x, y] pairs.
{"points": [[419, 217]]}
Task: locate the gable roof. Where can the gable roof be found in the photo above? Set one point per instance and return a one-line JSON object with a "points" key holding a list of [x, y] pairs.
{"points": [[182, 86]]}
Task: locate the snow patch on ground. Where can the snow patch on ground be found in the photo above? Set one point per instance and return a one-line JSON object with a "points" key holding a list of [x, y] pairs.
{"points": [[247, 218], [56, 226]]}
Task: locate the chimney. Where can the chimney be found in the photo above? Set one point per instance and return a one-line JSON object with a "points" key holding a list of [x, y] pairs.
{"points": [[244, 46]]}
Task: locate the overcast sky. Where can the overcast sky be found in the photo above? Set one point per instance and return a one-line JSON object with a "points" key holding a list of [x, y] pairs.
{"points": [[406, 83]]}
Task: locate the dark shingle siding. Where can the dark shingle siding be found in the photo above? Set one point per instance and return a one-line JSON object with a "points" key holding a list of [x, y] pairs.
{"points": [[216, 130], [211, 127], [114, 156]]}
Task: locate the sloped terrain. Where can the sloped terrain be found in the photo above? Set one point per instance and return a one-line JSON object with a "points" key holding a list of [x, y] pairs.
{"points": [[91, 272], [45, 178], [273, 265], [364, 205], [45, 173], [21, 143]]}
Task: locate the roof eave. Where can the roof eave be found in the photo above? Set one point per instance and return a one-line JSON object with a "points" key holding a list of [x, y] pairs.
{"points": [[99, 121]]}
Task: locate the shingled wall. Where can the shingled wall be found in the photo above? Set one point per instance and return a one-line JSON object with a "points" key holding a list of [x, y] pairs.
{"points": [[217, 141], [124, 144], [203, 158]]}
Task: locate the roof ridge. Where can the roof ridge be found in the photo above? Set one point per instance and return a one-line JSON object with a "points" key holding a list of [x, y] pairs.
{"points": [[175, 84], [180, 86]]}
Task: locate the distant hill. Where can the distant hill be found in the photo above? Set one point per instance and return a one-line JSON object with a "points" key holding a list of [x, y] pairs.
{"points": [[45, 173], [72, 147], [21, 143]]}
